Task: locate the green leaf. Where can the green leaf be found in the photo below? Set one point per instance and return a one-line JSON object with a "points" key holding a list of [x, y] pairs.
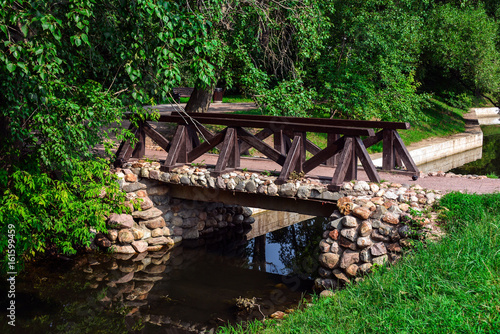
{"points": [[11, 67]]}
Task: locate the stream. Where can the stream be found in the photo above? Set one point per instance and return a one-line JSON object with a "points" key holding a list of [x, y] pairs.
{"points": [[193, 288]]}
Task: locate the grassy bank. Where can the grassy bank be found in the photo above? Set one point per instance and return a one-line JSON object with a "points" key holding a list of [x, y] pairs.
{"points": [[448, 287]]}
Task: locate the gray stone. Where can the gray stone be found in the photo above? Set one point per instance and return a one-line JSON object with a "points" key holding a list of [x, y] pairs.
{"points": [[159, 241], [191, 234], [185, 180], [240, 186], [140, 246], [165, 177], [157, 222], [330, 196], [272, 189], [303, 192], [377, 214], [211, 182], [147, 214], [365, 255], [251, 187], [349, 221], [365, 268], [157, 232], [364, 242], [349, 257], [131, 187], [231, 184], [324, 247], [219, 183], [159, 190], [125, 236], [287, 189], [349, 233], [381, 260], [337, 224], [329, 260], [238, 219], [378, 249], [120, 221], [125, 249], [247, 212], [324, 284], [340, 276], [365, 229], [390, 195], [334, 248]]}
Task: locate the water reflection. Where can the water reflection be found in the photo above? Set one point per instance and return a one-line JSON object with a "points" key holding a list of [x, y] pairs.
{"points": [[190, 289], [490, 161]]}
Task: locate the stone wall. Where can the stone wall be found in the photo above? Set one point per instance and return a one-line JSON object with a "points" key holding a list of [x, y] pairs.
{"points": [[162, 221], [373, 224]]}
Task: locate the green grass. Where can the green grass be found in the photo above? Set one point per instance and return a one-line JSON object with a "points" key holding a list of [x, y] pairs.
{"points": [[492, 176], [451, 286], [236, 99]]}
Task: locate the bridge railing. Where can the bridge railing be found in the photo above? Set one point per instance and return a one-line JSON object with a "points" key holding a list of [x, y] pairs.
{"points": [[346, 143]]}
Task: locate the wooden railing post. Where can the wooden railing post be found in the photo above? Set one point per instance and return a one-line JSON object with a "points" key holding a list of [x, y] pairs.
{"points": [[140, 146]]}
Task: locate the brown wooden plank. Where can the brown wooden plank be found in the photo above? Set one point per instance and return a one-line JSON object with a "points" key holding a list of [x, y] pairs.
{"points": [[316, 121], [193, 139], [311, 147], [228, 147], [261, 135], [330, 139], [204, 147], [156, 136], [388, 150], [366, 161], [234, 157], [404, 154], [352, 170], [370, 141], [177, 149], [140, 146], [292, 160], [275, 126], [262, 147], [324, 154], [302, 150], [344, 162]]}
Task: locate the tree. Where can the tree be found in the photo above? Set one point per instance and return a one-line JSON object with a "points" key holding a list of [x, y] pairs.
{"points": [[71, 69]]}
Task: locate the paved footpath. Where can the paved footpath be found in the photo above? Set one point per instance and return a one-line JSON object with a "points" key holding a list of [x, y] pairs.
{"points": [[445, 184]]}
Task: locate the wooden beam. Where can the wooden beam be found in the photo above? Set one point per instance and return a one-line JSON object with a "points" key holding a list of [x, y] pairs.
{"points": [[388, 150], [229, 147], [261, 135], [262, 147], [204, 147], [324, 154], [330, 139], [404, 154], [344, 162], [177, 152], [292, 159], [156, 136], [140, 146], [366, 161]]}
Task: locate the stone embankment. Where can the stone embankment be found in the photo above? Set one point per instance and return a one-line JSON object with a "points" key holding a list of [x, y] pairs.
{"points": [[155, 220], [374, 223]]}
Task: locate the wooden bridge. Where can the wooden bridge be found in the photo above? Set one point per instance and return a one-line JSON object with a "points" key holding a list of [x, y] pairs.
{"points": [[347, 141]]}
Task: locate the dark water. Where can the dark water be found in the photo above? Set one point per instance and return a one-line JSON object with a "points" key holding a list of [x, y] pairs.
{"points": [[192, 288], [490, 161]]}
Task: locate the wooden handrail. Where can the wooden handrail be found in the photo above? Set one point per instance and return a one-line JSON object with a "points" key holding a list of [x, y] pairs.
{"points": [[309, 120]]}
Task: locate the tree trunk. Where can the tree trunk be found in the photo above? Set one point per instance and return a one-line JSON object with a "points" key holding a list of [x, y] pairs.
{"points": [[200, 99]]}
